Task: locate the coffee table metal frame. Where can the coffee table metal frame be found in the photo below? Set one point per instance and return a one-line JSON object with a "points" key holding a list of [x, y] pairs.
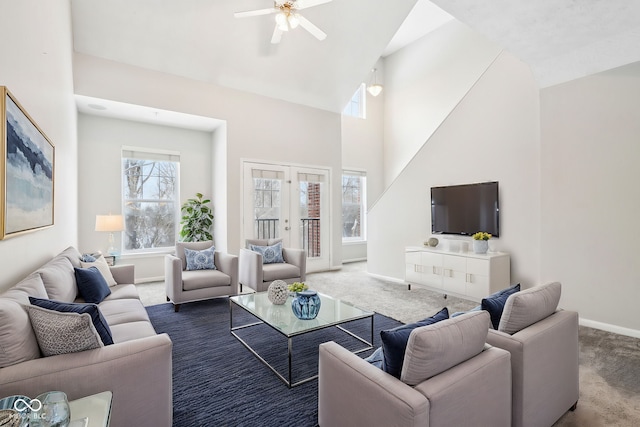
{"points": [[235, 300]]}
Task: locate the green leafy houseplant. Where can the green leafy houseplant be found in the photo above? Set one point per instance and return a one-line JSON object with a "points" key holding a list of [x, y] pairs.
{"points": [[196, 221], [481, 235]]}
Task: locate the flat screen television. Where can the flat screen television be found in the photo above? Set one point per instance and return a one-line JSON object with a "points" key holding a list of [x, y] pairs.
{"points": [[465, 209]]}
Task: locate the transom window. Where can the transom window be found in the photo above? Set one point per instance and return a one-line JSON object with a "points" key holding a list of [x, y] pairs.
{"points": [[357, 105]]}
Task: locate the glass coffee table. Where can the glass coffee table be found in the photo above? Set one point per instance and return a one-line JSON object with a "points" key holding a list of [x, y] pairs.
{"points": [[333, 313]]}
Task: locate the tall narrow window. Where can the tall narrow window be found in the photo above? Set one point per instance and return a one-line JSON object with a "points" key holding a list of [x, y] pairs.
{"points": [[150, 199], [354, 206], [356, 106]]}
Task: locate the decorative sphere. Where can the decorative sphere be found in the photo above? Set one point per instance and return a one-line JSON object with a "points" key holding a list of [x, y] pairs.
{"points": [[278, 292]]}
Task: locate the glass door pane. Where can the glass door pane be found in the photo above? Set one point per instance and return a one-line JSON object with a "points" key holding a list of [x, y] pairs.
{"points": [[266, 202], [313, 216], [266, 208]]}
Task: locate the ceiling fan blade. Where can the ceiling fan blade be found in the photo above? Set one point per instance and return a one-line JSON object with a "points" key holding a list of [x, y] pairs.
{"points": [[277, 35], [315, 31], [304, 4], [255, 12]]}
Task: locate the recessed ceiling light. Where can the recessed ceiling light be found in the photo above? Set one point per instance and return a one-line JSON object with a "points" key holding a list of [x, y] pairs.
{"points": [[97, 106]]}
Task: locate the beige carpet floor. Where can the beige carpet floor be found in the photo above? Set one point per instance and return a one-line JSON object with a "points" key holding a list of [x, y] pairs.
{"points": [[609, 363]]}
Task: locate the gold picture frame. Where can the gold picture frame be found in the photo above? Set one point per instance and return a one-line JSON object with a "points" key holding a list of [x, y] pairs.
{"points": [[27, 174]]}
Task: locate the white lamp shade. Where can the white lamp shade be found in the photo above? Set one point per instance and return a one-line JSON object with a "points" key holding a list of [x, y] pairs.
{"points": [[375, 89], [109, 223]]}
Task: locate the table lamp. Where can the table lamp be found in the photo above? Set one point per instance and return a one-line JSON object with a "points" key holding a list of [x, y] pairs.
{"points": [[110, 223]]}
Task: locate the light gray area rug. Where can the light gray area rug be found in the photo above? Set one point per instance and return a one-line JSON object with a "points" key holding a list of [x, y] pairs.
{"points": [[609, 363]]}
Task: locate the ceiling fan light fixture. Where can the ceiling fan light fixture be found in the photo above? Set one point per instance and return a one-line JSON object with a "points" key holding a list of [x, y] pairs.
{"points": [[293, 20], [282, 21]]}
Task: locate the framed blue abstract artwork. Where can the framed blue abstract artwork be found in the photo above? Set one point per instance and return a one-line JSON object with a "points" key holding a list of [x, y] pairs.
{"points": [[26, 171]]}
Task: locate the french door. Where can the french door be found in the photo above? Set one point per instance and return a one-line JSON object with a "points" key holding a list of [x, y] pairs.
{"points": [[288, 202]]}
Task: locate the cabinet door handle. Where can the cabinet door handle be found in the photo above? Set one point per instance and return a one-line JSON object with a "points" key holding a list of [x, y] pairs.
{"points": [[433, 269], [469, 277]]}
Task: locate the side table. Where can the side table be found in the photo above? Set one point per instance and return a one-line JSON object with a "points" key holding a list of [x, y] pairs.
{"points": [[97, 408]]}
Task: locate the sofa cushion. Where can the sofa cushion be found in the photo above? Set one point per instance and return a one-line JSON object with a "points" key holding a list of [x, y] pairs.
{"points": [[101, 264], [123, 292], [122, 311], [132, 331], [59, 279], [394, 341], [494, 303], [529, 306], [91, 284], [62, 333], [73, 255], [17, 340], [99, 322], [270, 254], [29, 286], [435, 348], [271, 272], [202, 279], [200, 260]]}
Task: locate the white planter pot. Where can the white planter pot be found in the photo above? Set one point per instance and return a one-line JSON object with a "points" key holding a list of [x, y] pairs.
{"points": [[480, 246]]}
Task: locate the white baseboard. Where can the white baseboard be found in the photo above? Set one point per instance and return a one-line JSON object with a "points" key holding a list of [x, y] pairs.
{"points": [[610, 328], [149, 279], [390, 279], [347, 261]]}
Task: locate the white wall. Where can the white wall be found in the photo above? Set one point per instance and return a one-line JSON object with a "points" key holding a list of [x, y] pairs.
{"points": [[591, 196], [258, 128], [362, 149], [35, 64], [423, 83], [492, 134], [100, 142]]}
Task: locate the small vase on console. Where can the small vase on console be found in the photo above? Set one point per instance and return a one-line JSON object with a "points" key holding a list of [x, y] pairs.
{"points": [[480, 246]]}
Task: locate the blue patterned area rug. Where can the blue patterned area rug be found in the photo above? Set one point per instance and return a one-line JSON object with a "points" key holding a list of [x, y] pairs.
{"points": [[218, 382]]}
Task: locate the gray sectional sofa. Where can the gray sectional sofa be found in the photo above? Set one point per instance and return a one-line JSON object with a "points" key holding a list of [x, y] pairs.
{"points": [[137, 367]]}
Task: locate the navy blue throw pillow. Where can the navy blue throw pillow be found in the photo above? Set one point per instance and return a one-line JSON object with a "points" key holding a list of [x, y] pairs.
{"points": [[91, 284], [394, 341], [71, 307], [495, 302]]}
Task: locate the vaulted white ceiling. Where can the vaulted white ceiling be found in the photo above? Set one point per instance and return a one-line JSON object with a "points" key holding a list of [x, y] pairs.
{"points": [[200, 39]]}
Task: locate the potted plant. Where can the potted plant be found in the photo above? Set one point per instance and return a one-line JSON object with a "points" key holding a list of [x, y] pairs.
{"points": [[196, 221], [481, 242]]}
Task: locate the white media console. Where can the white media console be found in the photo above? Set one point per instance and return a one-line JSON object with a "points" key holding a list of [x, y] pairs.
{"points": [[464, 274]]}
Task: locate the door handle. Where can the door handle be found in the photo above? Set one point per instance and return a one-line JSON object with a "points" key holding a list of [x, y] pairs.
{"points": [[286, 228]]}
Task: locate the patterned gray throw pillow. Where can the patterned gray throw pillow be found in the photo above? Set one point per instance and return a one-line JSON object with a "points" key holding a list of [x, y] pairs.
{"points": [[270, 254], [62, 333], [200, 260]]}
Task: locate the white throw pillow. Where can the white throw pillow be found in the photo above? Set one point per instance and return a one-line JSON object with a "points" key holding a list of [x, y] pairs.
{"points": [[101, 264]]}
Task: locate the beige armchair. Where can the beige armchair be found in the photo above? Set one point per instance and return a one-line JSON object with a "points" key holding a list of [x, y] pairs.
{"points": [[543, 343], [256, 275], [449, 378], [188, 286]]}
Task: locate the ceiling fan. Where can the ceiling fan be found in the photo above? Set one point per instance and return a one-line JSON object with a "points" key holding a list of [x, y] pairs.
{"points": [[287, 17]]}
